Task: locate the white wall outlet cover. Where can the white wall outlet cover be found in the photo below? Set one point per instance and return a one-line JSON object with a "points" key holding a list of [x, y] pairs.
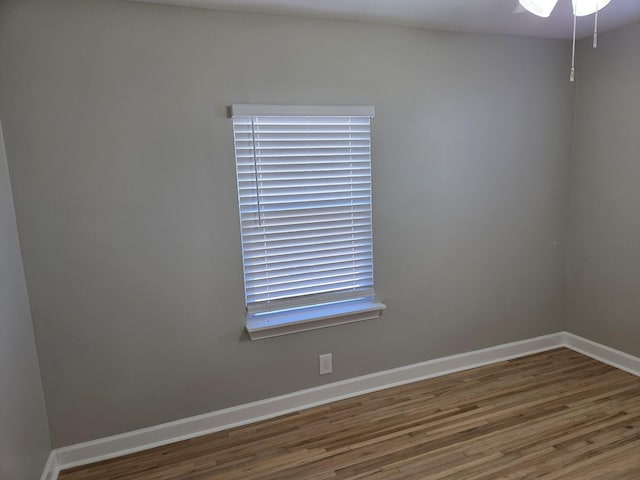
{"points": [[326, 363]]}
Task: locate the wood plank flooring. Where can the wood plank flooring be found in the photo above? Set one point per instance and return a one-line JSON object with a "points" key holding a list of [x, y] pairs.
{"points": [[553, 415]]}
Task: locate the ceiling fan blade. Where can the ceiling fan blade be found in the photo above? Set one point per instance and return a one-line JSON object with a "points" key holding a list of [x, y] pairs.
{"points": [[541, 8]]}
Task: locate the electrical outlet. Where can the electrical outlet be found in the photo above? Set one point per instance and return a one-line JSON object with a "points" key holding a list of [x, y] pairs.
{"points": [[326, 363]]}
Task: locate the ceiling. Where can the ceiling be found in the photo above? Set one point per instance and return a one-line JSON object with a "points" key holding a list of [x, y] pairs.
{"points": [[478, 16]]}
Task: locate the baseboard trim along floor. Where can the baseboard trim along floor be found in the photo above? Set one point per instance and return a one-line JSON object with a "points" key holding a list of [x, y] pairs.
{"points": [[602, 353], [137, 440], [51, 468]]}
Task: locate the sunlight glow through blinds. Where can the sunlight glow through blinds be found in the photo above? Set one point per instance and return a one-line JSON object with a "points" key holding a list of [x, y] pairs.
{"points": [[304, 190]]}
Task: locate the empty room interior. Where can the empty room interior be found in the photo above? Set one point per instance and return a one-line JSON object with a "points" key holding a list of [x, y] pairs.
{"points": [[293, 239]]}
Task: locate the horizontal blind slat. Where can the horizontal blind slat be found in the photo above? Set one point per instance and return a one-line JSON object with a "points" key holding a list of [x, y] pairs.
{"points": [[285, 247], [282, 283], [301, 259], [277, 270], [318, 287], [276, 234]]}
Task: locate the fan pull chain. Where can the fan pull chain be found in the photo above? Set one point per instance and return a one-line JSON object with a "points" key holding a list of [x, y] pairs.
{"points": [[572, 76], [595, 29]]}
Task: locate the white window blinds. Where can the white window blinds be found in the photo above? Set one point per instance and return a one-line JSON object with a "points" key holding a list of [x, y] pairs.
{"points": [[304, 189]]}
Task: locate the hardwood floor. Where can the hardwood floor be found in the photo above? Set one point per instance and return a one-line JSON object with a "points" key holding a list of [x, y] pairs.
{"points": [[553, 415]]}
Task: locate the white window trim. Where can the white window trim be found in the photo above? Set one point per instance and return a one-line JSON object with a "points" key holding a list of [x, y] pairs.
{"points": [[284, 322]]}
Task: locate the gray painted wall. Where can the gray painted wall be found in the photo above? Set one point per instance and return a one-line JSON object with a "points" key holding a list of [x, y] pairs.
{"points": [[24, 433], [122, 165], [603, 298]]}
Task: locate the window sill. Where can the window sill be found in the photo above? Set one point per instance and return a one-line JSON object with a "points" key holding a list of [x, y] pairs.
{"points": [[311, 318]]}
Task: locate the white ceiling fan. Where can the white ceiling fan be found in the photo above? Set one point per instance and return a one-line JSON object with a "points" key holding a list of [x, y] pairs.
{"points": [[543, 8], [581, 8]]}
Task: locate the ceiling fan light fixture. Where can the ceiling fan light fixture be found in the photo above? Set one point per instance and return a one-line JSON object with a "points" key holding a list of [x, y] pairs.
{"points": [[543, 8], [582, 8]]}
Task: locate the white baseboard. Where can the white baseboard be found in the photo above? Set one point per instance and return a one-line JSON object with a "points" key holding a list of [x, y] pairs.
{"points": [[138, 440], [163, 434], [602, 353], [51, 469]]}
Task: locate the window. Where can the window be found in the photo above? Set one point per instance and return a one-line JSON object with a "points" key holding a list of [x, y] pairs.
{"points": [[304, 192]]}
